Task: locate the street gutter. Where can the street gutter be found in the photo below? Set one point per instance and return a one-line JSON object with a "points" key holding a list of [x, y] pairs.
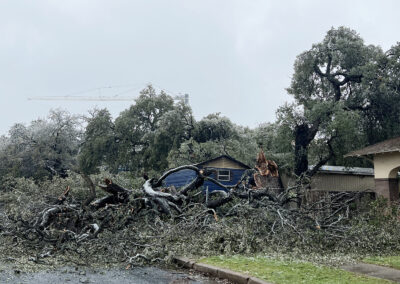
{"points": [[233, 276]]}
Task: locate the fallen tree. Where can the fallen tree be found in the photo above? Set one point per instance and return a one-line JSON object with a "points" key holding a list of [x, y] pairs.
{"points": [[152, 222]]}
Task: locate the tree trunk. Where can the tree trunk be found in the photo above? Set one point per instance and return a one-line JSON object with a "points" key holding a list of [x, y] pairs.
{"points": [[302, 141]]}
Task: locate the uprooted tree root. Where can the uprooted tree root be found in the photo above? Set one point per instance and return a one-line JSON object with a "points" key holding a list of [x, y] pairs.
{"points": [[154, 223]]}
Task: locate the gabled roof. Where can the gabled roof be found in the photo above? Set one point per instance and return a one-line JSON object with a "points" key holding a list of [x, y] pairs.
{"points": [[390, 145], [227, 157]]}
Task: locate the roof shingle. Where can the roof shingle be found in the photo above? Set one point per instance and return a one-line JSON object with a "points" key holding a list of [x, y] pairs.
{"points": [[390, 145]]}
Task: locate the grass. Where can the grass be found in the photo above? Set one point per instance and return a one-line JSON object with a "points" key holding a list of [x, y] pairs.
{"points": [[391, 261], [285, 272]]}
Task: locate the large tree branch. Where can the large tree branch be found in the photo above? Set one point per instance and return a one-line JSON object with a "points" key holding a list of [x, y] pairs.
{"points": [[331, 77], [328, 66], [227, 187], [171, 171], [148, 189], [196, 183], [113, 188], [358, 107], [92, 188], [324, 160], [348, 78]]}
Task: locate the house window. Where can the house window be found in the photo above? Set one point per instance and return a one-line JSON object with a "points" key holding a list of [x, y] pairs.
{"points": [[224, 175]]}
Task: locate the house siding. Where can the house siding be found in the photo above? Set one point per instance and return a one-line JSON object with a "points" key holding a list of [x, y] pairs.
{"points": [[223, 163], [342, 182], [236, 168], [337, 179], [184, 177], [180, 178], [236, 174]]}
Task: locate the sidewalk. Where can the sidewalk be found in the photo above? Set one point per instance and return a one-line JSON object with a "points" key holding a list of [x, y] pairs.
{"points": [[374, 271]]}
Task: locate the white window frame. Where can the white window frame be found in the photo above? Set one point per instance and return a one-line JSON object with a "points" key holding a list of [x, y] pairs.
{"points": [[224, 177]]}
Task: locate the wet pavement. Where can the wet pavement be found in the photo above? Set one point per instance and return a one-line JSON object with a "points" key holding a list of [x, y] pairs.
{"points": [[140, 275], [374, 271]]}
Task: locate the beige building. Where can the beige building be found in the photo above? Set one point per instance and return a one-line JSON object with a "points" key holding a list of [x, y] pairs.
{"points": [[336, 178], [386, 157], [339, 179]]}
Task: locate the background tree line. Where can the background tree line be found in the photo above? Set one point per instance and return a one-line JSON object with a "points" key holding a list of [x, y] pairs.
{"points": [[346, 95]]}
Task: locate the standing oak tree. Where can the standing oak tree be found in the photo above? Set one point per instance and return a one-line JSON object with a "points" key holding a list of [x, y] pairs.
{"points": [[324, 86]]}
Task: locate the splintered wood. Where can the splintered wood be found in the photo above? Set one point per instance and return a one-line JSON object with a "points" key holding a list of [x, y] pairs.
{"points": [[267, 174]]}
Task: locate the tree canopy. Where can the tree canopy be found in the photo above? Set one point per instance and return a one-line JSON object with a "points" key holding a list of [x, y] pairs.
{"points": [[42, 149], [345, 96], [335, 106]]}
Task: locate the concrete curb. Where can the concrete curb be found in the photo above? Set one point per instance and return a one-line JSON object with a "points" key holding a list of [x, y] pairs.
{"points": [[233, 276]]}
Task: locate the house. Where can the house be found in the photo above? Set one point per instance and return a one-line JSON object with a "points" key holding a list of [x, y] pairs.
{"points": [[228, 171], [386, 158], [225, 169], [339, 179], [330, 181]]}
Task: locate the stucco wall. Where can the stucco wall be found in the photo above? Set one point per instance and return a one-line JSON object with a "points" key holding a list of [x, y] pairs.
{"points": [[386, 165]]}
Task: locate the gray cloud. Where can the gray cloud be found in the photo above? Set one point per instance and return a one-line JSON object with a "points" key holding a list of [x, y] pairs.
{"points": [[233, 57]]}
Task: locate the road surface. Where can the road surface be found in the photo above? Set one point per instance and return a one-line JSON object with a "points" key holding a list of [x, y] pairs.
{"points": [[70, 275]]}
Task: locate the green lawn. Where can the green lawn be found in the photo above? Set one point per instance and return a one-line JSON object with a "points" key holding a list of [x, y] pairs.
{"points": [[391, 261], [282, 272]]}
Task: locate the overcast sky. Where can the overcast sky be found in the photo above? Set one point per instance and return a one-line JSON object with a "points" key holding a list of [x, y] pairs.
{"points": [[233, 57]]}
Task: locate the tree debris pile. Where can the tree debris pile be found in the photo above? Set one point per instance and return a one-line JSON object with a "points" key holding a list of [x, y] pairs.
{"points": [[153, 223]]}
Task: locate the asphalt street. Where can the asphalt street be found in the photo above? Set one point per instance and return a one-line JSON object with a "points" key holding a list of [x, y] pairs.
{"points": [[70, 275]]}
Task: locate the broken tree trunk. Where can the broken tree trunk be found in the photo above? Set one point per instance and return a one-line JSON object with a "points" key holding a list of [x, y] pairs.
{"points": [[118, 194]]}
